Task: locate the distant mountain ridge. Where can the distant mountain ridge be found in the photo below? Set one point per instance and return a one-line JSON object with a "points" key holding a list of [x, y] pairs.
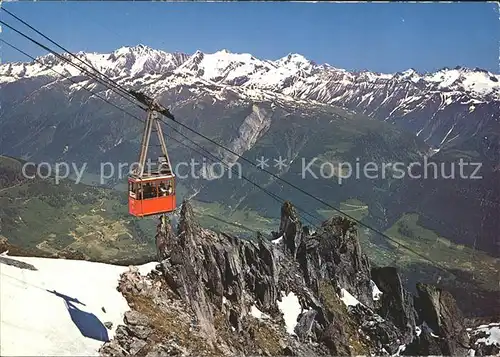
{"points": [[445, 107]]}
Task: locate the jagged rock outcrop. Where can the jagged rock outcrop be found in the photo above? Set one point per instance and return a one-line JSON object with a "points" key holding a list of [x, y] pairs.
{"points": [[442, 324], [300, 294], [290, 229], [396, 304], [332, 254]]}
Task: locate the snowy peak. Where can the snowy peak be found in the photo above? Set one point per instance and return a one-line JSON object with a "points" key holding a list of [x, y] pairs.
{"points": [[410, 74], [293, 75], [224, 66], [476, 82], [295, 59], [141, 59], [140, 48], [123, 62]]}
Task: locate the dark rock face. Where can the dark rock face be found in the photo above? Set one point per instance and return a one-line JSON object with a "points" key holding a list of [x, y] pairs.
{"points": [[290, 229], [214, 294], [443, 324], [17, 263], [396, 304], [424, 345], [332, 254], [344, 261], [384, 335]]}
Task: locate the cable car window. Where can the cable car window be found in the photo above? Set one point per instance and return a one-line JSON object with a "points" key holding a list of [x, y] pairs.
{"points": [[132, 187], [148, 191], [155, 189], [141, 191]]}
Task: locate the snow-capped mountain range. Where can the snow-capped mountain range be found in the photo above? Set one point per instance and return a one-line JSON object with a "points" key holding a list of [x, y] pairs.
{"points": [[444, 107]]}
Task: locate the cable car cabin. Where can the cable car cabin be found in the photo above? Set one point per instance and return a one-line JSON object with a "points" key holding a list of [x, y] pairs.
{"points": [[151, 195], [152, 192]]}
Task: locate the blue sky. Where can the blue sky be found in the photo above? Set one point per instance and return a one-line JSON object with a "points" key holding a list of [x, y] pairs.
{"points": [[356, 36]]}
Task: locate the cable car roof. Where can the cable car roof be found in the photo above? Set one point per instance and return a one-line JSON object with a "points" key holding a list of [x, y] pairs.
{"points": [[151, 178]]}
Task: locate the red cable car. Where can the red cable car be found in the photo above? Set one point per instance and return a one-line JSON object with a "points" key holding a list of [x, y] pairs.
{"points": [[152, 192]]}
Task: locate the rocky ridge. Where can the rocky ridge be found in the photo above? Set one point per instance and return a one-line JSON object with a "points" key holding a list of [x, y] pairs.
{"points": [[302, 293]]}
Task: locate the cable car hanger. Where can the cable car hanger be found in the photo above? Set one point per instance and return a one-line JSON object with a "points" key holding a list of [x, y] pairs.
{"points": [[151, 104], [152, 192]]}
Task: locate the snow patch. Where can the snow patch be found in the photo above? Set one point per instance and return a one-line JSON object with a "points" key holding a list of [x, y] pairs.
{"points": [[376, 293], [277, 240], [492, 332], [401, 348], [348, 299], [119, 142], [481, 83], [447, 134], [60, 308], [291, 309], [147, 268], [434, 151], [429, 330], [255, 312]]}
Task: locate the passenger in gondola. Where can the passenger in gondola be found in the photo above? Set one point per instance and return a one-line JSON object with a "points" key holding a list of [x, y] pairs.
{"points": [[163, 190]]}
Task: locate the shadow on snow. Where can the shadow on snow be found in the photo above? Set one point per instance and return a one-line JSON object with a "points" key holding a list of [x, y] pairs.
{"points": [[89, 325]]}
